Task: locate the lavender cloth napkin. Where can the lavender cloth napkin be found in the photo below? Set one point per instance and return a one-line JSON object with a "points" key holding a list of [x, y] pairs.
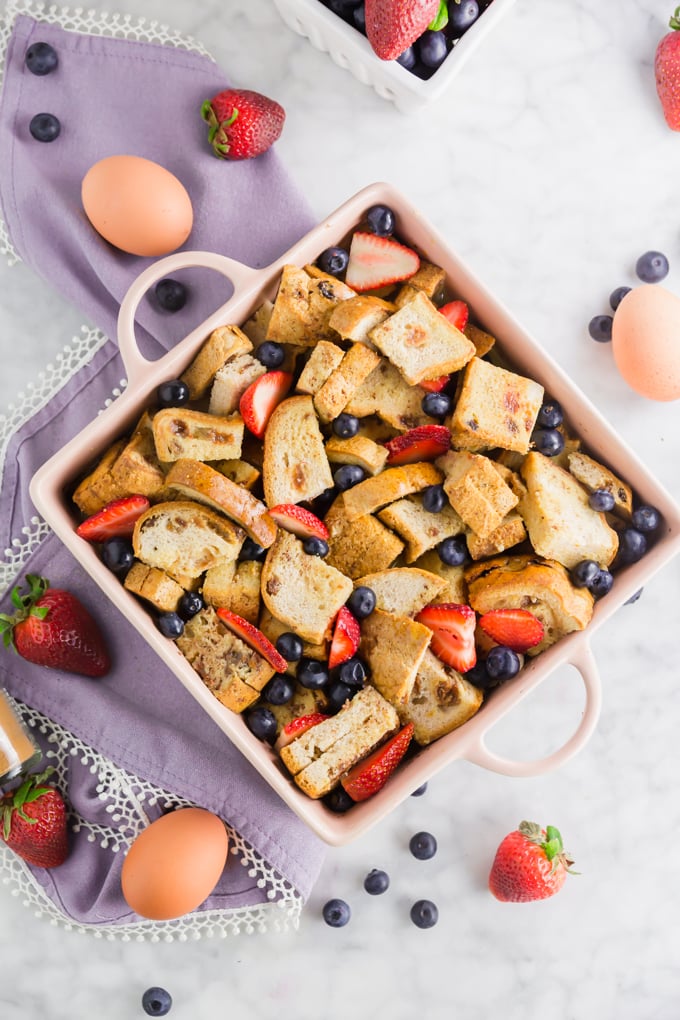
{"points": [[116, 96]]}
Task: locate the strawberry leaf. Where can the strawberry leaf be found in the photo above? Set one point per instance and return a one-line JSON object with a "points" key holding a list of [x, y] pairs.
{"points": [[441, 18]]}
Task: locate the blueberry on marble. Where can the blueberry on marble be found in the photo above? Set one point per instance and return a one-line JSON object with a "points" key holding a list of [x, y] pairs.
{"points": [[424, 914], [407, 59], [463, 15], [270, 354], [261, 722], [45, 127], [172, 393], [333, 261], [501, 664], [549, 442], [345, 426], [362, 602], [652, 267], [601, 584], [171, 625], [617, 296], [646, 518], [156, 1002], [423, 846], [380, 219], [279, 690], [353, 673], [337, 694], [312, 674], [584, 573], [434, 499], [437, 405], [453, 551], [190, 604], [315, 546], [290, 646], [41, 58], [432, 49], [252, 551], [171, 295], [118, 555], [600, 328], [420, 791], [338, 800], [632, 545], [336, 913], [602, 501], [347, 476], [550, 415], [376, 882]]}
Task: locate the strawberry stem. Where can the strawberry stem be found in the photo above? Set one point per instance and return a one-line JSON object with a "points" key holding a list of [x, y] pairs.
{"points": [[25, 605], [31, 789], [441, 18], [674, 22]]}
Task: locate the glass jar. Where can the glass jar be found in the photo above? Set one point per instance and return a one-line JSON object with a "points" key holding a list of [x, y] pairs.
{"points": [[18, 750]]}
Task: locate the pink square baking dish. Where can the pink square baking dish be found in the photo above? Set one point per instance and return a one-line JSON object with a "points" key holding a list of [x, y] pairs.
{"points": [[50, 490]]}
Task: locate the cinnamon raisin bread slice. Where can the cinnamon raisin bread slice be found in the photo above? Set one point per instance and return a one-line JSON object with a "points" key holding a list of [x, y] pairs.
{"points": [[180, 433], [185, 538], [295, 466]]}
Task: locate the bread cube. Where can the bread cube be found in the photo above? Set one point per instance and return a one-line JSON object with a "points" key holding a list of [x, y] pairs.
{"points": [[231, 381], [596, 476], [393, 647], [359, 546], [387, 394], [216, 589], [420, 529], [344, 381], [494, 408], [180, 433], [222, 344], [183, 537], [354, 319], [296, 467], [476, 490], [453, 577], [441, 700], [510, 531], [403, 591], [482, 340], [303, 307], [154, 586], [357, 450], [98, 487], [137, 468], [388, 486], [429, 280], [323, 360]]}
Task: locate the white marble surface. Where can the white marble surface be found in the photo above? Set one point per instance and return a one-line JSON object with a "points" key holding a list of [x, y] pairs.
{"points": [[550, 169]]}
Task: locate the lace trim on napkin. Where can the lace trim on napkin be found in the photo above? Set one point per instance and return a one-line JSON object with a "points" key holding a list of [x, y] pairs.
{"points": [[88, 22]]}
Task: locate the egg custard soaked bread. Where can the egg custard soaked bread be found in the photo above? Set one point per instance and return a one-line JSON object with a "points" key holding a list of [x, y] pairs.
{"points": [[352, 517]]}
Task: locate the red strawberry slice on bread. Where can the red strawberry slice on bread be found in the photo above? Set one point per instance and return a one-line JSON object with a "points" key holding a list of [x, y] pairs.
{"points": [[346, 638], [253, 637], [261, 398], [453, 633], [242, 123], [116, 520], [457, 313], [370, 775], [296, 727], [393, 25], [434, 385], [299, 521], [517, 628], [426, 442], [376, 261]]}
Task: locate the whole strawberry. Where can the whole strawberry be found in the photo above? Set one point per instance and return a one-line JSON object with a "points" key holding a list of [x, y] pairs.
{"points": [[51, 627], [33, 822], [242, 123], [530, 864], [667, 72], [393, 25]]}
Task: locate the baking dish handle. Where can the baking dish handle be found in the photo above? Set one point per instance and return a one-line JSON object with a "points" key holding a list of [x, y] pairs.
{"points": [[479, 754], [135, 364]]}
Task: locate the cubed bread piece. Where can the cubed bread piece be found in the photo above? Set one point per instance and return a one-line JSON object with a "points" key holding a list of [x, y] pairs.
{"points": [[216, 589], [183, 537], [359, 546], [344, 381], [181, 433], [98, 487], [296, 467], [386, 393], [357, 450], [240, 472], [199, 481], [596, 476], [255, 328], [305, 701], [303, 307], [403, 591], [441, 700], [483, 341], [388, 486], [273, 629], [510, 531], [393, 647], [529, 582], [429, 279], [376, 429], [323, 360], [231, 669], [354, 319], [222, 344], [244, 597], [137, 468], [302, 591], [422, 343], [476, 490], [154, 586], [493, 408], [511, 478], [562, 525], [231, 381], [420, 529], [454, 577], [318, 758]]}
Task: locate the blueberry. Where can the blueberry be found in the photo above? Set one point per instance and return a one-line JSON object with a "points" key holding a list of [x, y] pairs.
{"points": [[634, 597], [549, 442], [359, 18], [290, 646], [172, 393], [315, 546], [407, 59], [41, 58], [502, 664], [584, 573], [437, 405], [376, 882], [652, 267], [434, 499], [432, 48], [44, 127], [261, 722], [333, 261], [479, 677], [353, 674], [601, 584], [322, 503], [156, 1002], [312, 674], [337, 694], [424, 914], [423, 846], [117, 554], [453, 551], [420, 791], [348, 475], [270, 354], [171, 295], [362, 602], [462, 15], [632, 545], [602, 501], [338, 800], [617, 296], [646, 518], [190, 604], [345, 426], [600, 328], [380, 219], [170, 625], [252, 551], [279, 690], [550, 415], [336, 913]]}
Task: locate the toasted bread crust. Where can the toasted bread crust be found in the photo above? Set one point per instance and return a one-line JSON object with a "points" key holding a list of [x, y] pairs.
{"points": [[390, 485]]}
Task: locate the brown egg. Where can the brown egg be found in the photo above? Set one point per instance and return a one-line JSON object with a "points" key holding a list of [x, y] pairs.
{"points": [[646, 341], [137, 205], [174, 864]]}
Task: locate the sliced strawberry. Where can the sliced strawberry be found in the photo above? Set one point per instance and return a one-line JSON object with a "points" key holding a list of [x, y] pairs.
{"points": [[370, 775], [115, 520], [376, 261], [457, 312], [253, 637], [453, 633], [296, 727], [434, 385], [301, 522], [346, 638], [426, 442], [517, 628], [259, 400]]}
